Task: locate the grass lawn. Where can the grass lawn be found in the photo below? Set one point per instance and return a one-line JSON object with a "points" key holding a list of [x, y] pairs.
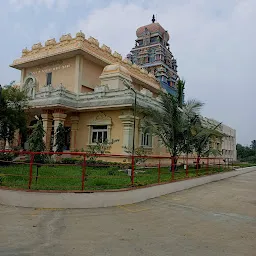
{"points": [[69, 177], [242, 165]]}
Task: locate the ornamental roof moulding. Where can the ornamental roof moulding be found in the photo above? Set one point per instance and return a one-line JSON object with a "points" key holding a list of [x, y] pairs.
{"points": [[91, 45], [50, 42]]}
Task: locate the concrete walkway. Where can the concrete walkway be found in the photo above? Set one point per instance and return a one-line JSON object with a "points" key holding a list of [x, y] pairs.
{"points": [[214, 219]]}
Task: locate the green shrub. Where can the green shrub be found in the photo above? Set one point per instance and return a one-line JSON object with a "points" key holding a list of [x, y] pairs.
{"points": [[6, 158], [70, 161], [1, 178], [112, 172], [249, 159]]}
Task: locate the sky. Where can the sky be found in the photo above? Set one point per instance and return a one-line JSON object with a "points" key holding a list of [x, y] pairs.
{"points": [[214, 43]]}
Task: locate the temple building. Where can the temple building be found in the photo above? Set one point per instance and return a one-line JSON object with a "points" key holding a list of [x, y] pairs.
{"points": [[87, 88]]}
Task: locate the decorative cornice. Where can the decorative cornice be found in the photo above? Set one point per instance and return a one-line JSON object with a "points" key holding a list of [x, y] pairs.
{"points": [[50, 42], [91, 46], [37, 46], [112, 98], [101, 119]]}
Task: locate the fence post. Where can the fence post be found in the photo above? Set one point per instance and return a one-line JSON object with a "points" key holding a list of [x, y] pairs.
{"points": [[31, 170], [132, 176], [173, 167], [187, 167], [159, 171], [207, 165], [83, 171], [197, 165]]}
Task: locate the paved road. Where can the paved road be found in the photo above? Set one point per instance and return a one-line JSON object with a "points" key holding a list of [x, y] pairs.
{"points": [[214, 219]]}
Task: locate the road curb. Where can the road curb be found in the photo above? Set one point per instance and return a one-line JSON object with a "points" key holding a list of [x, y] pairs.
{"points": [[106, 199]]}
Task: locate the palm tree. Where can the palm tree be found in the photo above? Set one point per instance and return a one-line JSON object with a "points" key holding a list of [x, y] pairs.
{"points": [[172, 122], [201, 137], [180, 88]]}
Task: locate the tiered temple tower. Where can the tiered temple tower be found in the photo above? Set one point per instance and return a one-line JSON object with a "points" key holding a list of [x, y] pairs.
{"points": [[152, 52]]}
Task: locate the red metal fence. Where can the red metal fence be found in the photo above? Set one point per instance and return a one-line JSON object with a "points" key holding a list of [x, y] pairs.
{"points": [[80, 171]]}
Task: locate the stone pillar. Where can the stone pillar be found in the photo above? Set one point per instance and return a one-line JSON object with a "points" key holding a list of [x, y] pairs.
{"points": [[78, 73], [22, 77], [47, 124], [74, 128], [127, 120], [58, 117], [7, 145]]}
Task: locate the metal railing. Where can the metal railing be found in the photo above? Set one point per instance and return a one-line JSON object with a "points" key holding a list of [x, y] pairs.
{"points": [[80, 171]]}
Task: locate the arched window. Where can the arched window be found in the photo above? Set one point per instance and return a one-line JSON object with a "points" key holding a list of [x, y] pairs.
{"points": [[146, 138]]}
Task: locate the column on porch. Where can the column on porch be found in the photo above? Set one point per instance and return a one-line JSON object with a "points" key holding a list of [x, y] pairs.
{"points": [[127, 121], [47, 124], [74, 128], [58, 117]]}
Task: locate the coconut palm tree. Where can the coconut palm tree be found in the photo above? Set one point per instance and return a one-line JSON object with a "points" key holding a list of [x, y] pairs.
{"points": [[172, 122], [201, 138], [180, 89]]}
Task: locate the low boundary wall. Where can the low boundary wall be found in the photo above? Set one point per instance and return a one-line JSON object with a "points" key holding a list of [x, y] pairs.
{"points": [[106, 199]]}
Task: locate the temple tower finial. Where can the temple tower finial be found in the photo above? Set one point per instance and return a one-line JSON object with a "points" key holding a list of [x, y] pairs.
{"points": [[153, 18]]}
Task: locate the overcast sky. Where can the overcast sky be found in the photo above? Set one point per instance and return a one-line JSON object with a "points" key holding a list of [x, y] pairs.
{"points": [[214, 43]]}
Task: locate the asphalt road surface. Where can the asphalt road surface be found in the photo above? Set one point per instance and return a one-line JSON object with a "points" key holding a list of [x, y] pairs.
{"points": [[214, 219]]}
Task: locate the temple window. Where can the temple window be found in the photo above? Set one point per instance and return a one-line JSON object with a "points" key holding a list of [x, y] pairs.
{"points": [[140, 42], [164, 79], [99, 133], [146, 138], [49, 78], [151, 58], [154, 39]]}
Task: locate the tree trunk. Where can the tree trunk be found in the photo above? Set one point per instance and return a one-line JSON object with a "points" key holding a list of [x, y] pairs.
{"points": [[4, 144], [174, 161], [198, 166]]}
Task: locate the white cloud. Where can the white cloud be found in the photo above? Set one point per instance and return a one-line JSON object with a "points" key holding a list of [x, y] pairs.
{"points": [[214, 42], [50, 31], [18, 4]]}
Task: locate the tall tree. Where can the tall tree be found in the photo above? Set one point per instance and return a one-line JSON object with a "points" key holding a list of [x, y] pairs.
{"points": [[171, 123], [253, 145], [201, 139], [12, 113], [36, 141], [60, 138], [245, 153], [180, 96]]}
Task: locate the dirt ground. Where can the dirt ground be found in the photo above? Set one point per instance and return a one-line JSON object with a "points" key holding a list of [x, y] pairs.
{"points": [[214, 219]]}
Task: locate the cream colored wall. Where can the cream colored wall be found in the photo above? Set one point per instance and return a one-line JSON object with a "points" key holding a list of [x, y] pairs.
{"points": [[229, 142], [137, 87], [62, 72], [90, 74], [116, 129]]}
